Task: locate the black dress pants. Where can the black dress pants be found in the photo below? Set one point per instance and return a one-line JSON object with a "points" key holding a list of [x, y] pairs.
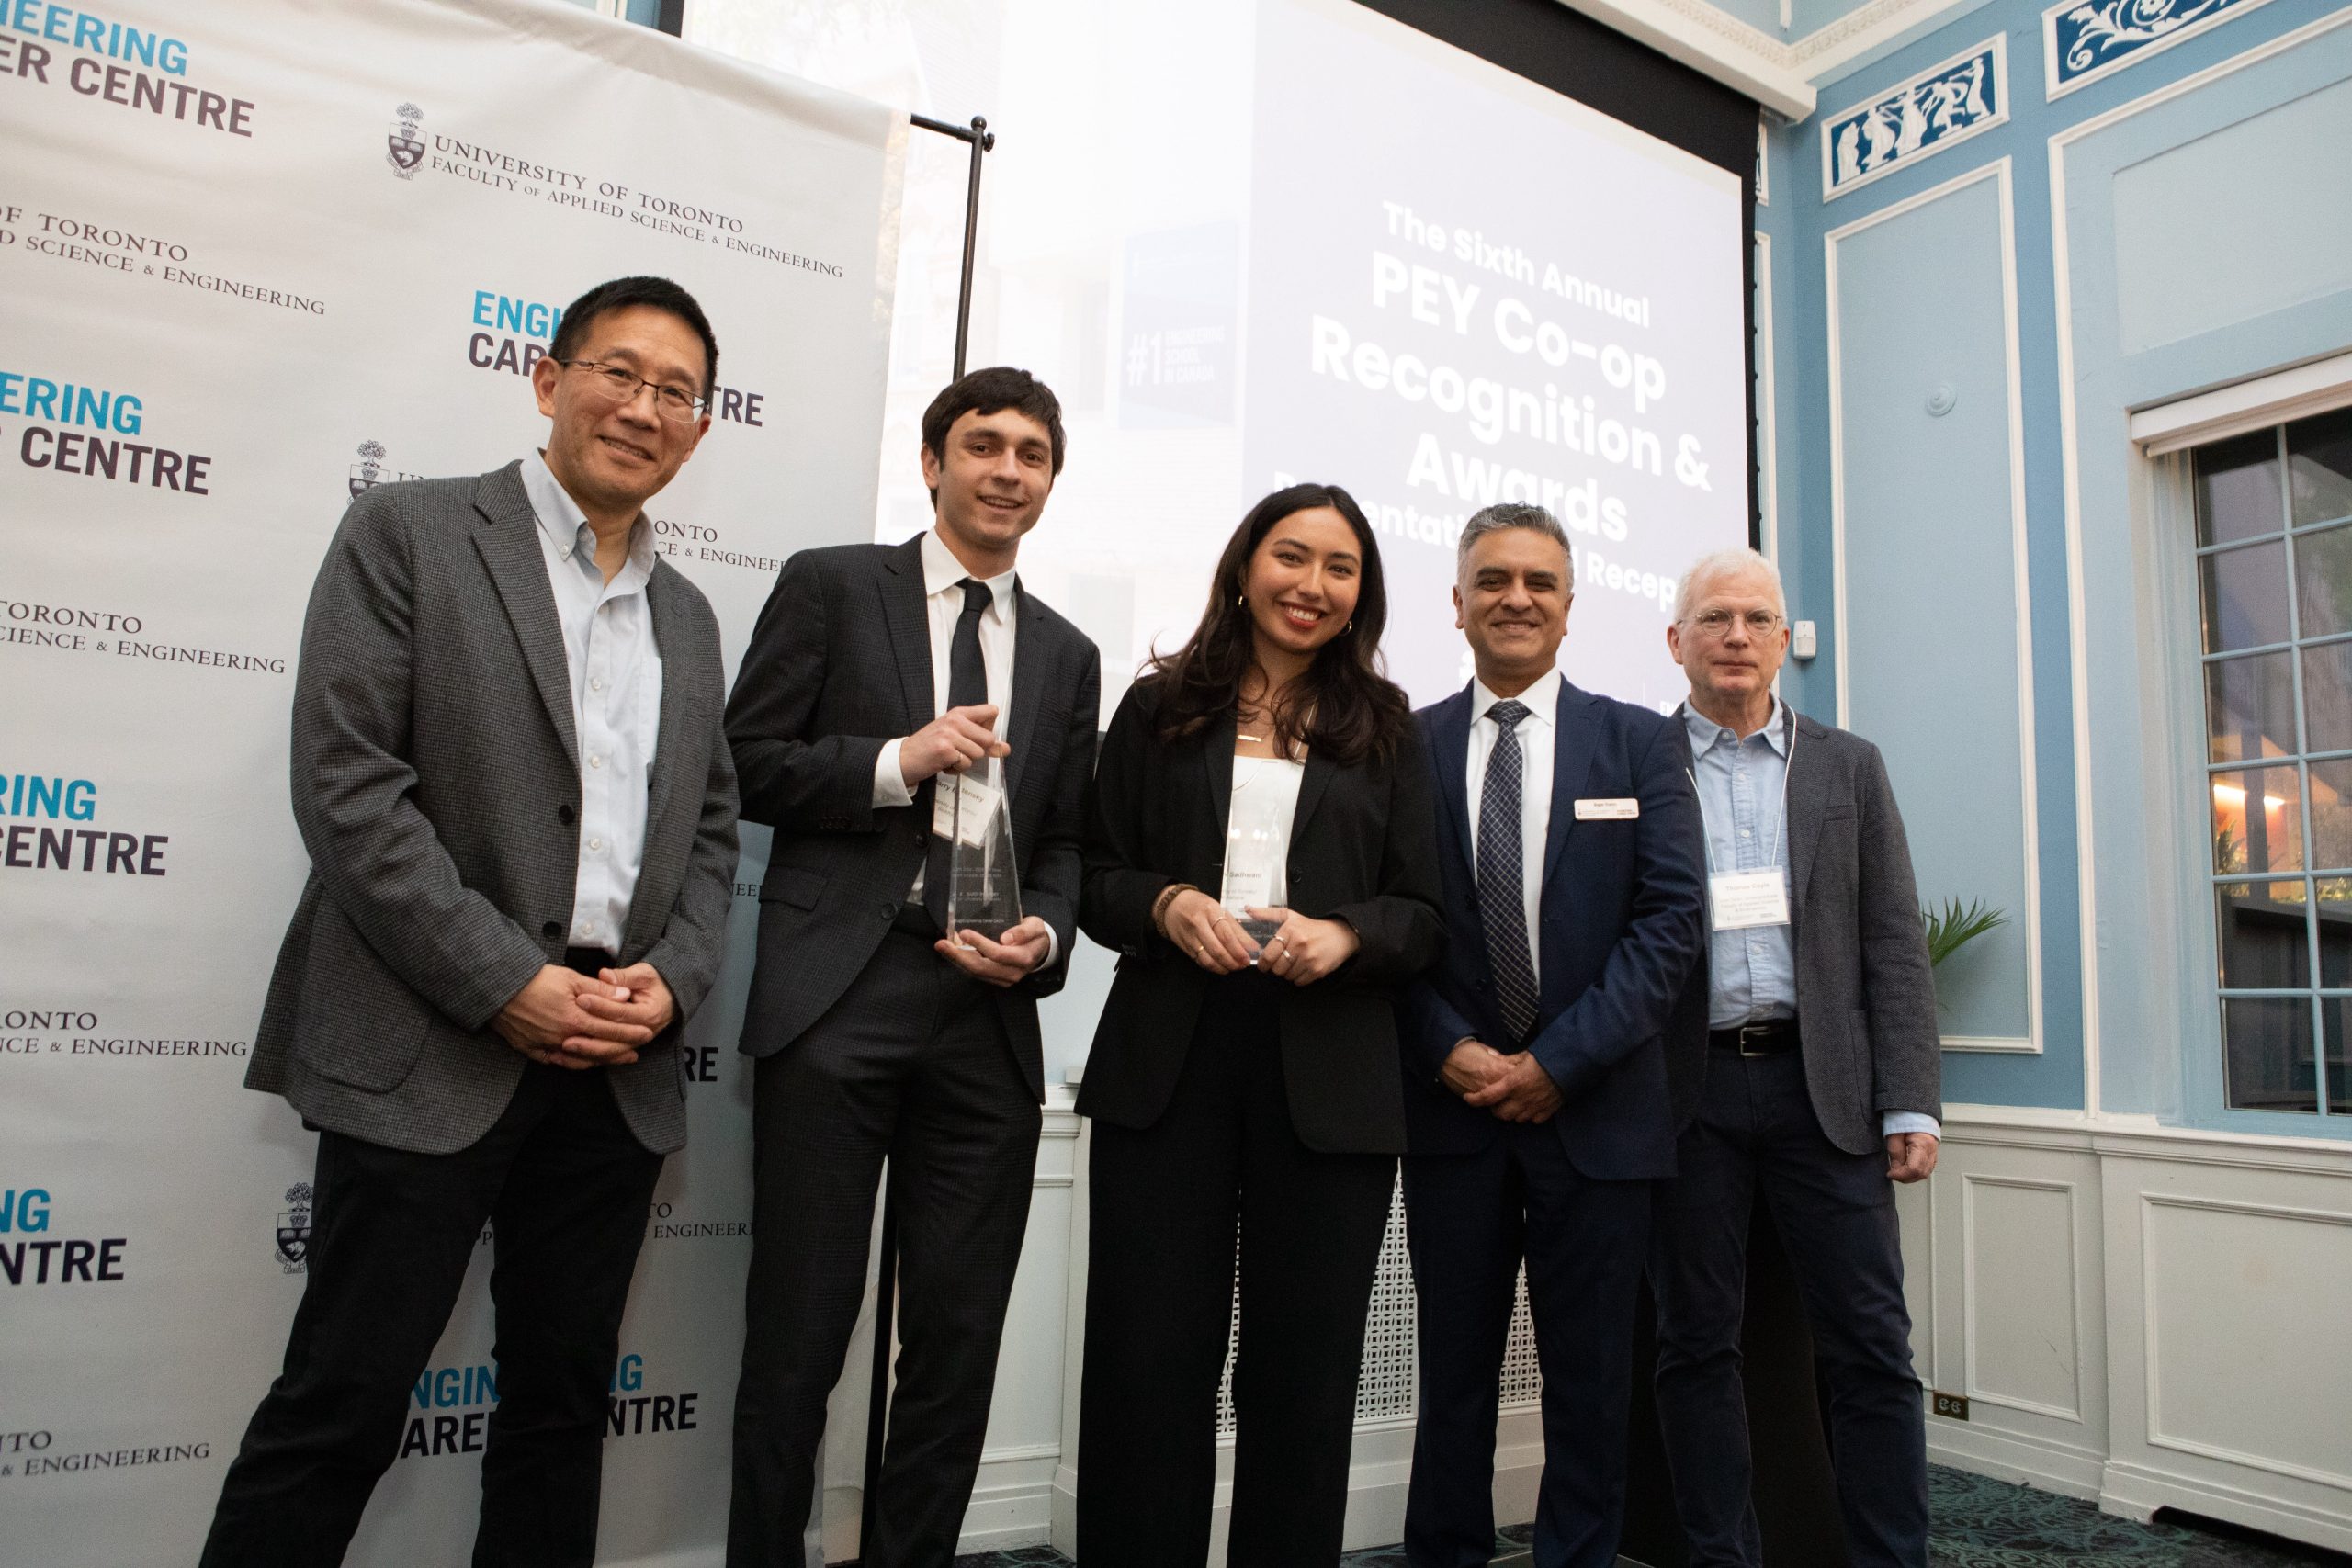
{"points": [[911, 1064], [1160, 1298], [565, 1188], [1471, 1219], [1836, 1213]]}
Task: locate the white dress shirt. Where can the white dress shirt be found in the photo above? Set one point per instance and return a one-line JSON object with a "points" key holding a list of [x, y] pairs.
{"points": [[1537, 733], [616, 670], [942, 577]]}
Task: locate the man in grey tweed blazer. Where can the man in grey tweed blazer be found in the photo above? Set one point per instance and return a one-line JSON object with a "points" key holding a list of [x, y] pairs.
{"points": [[509, 771], [1812, 1075]]}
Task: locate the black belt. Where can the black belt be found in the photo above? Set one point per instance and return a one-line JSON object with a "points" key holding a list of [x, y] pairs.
{"points": [[588, 960], [1766, 1037]]}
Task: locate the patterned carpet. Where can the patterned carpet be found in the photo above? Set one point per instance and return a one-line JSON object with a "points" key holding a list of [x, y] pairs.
{"points": [[1979, 1523]]}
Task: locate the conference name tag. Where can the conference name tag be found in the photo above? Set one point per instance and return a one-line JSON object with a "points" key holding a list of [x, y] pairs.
{"points": [[972, 817], [1742, 900], [1612, 810]]}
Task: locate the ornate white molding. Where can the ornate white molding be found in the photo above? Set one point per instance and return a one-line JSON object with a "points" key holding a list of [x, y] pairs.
{"points": [[1713, 43], [1778, 75]]}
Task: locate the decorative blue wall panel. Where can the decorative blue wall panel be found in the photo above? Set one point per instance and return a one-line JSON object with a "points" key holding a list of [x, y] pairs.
{"points": [[2085, 39], [2205, 238], [1915, 119], [1928, 572]]}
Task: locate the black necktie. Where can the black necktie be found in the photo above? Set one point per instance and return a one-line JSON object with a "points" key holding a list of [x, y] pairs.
{"points": [[967, 687], [1502, 906]]}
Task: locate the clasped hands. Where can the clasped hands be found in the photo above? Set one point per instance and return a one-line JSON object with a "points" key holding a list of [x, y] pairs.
{"points": [[564, 1018], [1514, 1087], [1301, 950]]}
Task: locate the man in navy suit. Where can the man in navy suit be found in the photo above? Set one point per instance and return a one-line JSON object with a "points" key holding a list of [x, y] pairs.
{"points": [[1537, 1106]]}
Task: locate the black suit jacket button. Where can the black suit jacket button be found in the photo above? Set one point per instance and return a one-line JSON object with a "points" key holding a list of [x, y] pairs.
{"points": [[551, 929], [565, 815], [889, 911]]}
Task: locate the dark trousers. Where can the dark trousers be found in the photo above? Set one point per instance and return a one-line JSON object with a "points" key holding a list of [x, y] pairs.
{"points": [[911, 1064], [1471, 1219], [565, 1187], [1835, 1214], [1159, 1306]]}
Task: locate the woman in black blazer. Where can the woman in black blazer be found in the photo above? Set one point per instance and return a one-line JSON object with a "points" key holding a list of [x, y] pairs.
{"points": [[1235, 1082]]}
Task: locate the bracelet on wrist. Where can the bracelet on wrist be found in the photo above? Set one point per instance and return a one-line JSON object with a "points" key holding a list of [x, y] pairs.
{"points": [[1168, 896]]}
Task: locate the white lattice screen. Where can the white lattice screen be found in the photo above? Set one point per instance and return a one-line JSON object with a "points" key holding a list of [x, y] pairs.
{"points": [[1387, 1386]]}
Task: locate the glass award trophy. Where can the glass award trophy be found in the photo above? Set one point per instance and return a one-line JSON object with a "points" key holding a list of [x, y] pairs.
{"points": [[1256, 842], [1254, 877], [983, 886]]}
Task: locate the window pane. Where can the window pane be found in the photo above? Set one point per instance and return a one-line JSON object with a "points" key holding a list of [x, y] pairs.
{"points": [[2265, 941], [2237, 489], [2332, 815], [2250, 708], [2333, 1013], [2245, 596], [2267, 1046], [2258, 822], [2319, 467], [2335, 913], [2327, 698], [2324, 567]]}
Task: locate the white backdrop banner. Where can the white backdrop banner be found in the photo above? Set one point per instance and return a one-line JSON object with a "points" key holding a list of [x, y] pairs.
{"points": [[257, 257]]}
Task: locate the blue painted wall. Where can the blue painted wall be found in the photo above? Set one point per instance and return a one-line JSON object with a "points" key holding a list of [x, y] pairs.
{"points": [[2207, 238]]}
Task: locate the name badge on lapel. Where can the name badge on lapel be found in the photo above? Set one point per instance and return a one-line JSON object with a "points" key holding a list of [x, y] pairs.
{"points": [[1608, 810], [1742, 899]]}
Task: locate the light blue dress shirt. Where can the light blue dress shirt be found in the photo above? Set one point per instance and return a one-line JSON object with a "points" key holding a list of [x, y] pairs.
{"points": [[1743, 796], [615, 675]]}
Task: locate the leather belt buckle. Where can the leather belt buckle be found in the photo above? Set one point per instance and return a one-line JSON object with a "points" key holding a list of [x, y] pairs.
{"points": [[1759, 1031]]}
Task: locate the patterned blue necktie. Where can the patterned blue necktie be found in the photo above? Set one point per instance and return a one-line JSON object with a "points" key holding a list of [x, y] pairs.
{"points": [[1502, 907]]}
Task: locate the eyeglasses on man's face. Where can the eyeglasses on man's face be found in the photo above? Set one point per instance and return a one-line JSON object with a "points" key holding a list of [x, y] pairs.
{"points": [[1717, 623], [617, 385]]}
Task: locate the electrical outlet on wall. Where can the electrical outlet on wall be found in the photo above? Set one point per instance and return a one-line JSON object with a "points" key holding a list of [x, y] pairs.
{"points": [[1951, 1407]]}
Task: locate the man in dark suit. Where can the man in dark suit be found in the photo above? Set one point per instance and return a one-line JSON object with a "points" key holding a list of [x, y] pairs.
{"points": [[1817, 1008], [1537, 1114], [509, 771], [876, 673]]}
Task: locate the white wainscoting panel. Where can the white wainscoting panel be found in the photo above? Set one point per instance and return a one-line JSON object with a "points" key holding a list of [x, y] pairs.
{"points": [[2014, 1264], [2144, 1316], [2230, 1333]]}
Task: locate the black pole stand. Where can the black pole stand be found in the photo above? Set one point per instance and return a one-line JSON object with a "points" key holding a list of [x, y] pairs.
{"points": [[885, 1283]]}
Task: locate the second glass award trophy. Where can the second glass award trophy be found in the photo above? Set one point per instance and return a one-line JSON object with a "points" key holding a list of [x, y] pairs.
{"points": [[983, 886], [1257, 842]]}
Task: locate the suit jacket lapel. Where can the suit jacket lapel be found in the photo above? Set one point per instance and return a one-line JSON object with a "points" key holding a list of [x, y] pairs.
{"points": [[1805, 801], [908, 622], [1450, 753], [1311, 785], [1572, 740], [510, 548], [662, 598], [1216, 763], [1028, 685]]}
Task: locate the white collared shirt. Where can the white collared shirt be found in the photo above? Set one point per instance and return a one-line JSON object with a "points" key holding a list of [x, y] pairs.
{"points": [[943, 590], [1537, 733], [615, 672]]}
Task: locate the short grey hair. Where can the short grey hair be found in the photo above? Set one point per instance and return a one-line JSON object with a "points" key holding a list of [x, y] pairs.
{"points": [[1511, 515], [1722, 561]]}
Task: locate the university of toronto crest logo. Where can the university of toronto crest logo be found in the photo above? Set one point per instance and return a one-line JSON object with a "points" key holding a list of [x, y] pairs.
{"points": [[294, 1229], [403, 148], [369, 471]]}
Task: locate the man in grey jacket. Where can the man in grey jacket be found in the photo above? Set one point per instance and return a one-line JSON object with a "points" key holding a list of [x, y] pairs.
{"points": [[519, 806], [1820, 1085]]}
